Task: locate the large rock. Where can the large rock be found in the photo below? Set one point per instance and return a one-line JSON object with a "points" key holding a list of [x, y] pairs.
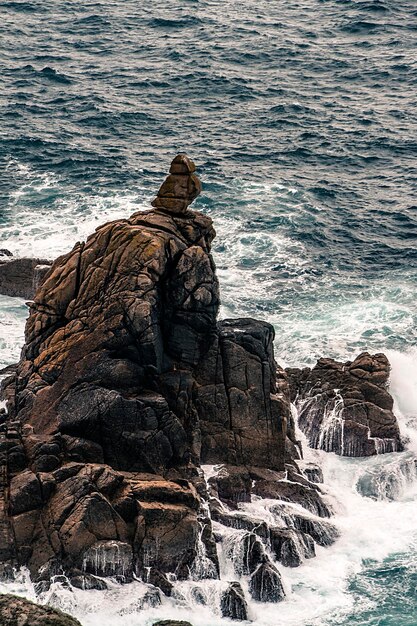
{"points": [[126, 383], [16, 611], [21, 276], [345, 407]]}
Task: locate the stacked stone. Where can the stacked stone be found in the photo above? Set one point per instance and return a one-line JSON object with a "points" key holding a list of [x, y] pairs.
{"points": [[180, 188]]}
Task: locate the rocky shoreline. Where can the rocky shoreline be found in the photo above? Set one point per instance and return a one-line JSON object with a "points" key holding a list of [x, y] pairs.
{"points": [[138, 425]]}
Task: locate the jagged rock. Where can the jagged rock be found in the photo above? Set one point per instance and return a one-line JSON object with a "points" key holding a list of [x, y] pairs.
{"points": [[307, 497], [253, 553], [345, 407], [232, 484], [265, 583], [16, 611], [87, 581], [109, 558], [323, 532], [21, 276], [150, 600], [243, 414], [290, 546], [233, 604], [181, 187], [158, 579], [313, 472]]}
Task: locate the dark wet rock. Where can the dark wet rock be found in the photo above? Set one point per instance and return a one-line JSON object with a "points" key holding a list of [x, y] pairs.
{"points": [[150, 600], [21, 276], [16, 611], [158, 579], [253, 553], [241, 521], [291, 547], [109, 558], [243, 412], [87, 581], [322, 532], [5, 253], [168, 622], [307, 497], [265, 583], [233, 604], [232, 484], [346, 407], [313, 472]]}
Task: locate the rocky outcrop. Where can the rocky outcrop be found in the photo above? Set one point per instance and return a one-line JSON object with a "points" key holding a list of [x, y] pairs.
{"points": [[21, 276], [16, 611], [345, 407], [127, 383]]}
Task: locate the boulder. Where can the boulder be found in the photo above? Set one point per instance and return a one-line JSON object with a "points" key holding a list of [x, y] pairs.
{"points": [[265, 583], [21, 276], [233, 604], [16, 611], [345, 407]]}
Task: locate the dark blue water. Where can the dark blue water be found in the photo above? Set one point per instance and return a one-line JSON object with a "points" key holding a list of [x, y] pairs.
{"points": [[301, 117]]}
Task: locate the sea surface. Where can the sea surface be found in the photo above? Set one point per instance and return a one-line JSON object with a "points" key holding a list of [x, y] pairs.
{"points": [[302, 119]]}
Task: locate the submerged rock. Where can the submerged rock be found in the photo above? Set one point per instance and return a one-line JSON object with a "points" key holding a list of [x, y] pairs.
{"points": [[16, 611], [345, 407], [233, 604]]}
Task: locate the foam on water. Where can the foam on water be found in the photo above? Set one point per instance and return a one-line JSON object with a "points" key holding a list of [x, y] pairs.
{"points": [[42, 221]]}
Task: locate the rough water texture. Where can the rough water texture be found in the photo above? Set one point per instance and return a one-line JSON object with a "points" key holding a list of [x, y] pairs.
{"points": [[302, 118]]}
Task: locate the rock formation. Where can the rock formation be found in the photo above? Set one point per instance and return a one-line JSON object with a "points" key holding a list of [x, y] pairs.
{"points": [[345, 407], [16, 611], [126, 385], [21, 276]]}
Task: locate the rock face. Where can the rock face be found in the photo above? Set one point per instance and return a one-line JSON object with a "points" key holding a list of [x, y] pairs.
{"points": [[21, 276], [126, 383], [345, 407], [16, 611]]}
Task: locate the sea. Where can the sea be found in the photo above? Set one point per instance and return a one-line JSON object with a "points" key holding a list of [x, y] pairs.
{"points": [[301, 116]]}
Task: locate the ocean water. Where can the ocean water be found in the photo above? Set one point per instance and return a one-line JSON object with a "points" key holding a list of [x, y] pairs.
{"points": [[301, 117]]}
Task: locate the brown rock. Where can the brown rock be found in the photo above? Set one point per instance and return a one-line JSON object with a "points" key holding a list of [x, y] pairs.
{"points": [[16, 611], [21, 276], [346, 407]]}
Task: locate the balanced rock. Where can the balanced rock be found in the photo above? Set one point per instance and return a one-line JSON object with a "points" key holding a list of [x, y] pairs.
{"points": [[181, 187], [345, 407]]}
